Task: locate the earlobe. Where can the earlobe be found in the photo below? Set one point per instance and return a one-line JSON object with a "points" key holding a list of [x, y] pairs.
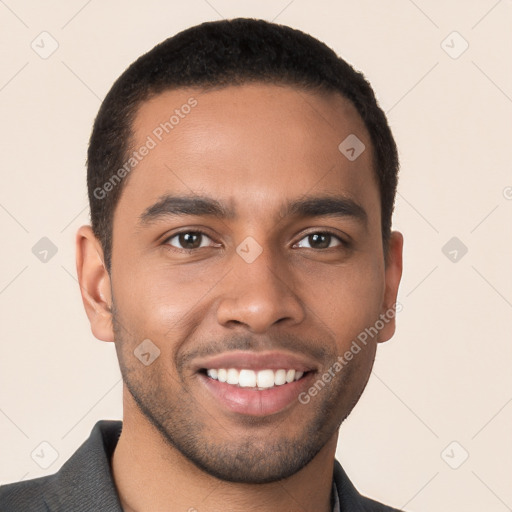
{"points": [[94, 283], [393, 274]]}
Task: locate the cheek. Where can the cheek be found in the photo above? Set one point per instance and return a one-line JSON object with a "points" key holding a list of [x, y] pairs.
{"points": [[156, 300], [347, 299]]}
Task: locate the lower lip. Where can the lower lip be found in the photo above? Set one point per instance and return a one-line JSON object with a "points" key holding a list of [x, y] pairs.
{"points": [[255, 402]]}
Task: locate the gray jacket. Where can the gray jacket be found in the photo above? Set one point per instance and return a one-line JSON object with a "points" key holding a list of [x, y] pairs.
{"points": [[84, 483]]}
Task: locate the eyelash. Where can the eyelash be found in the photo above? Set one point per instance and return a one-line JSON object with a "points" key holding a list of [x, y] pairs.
{"points": [[343, 243]]}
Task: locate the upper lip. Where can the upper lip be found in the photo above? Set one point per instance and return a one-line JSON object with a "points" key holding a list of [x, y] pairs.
{"points": [[273, 360]]}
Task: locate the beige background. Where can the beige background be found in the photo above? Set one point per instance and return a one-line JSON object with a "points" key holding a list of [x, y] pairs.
{"points": [[446, 374]]}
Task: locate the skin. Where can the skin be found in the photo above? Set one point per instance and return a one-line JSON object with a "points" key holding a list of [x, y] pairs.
{"points": [[253, 147]]}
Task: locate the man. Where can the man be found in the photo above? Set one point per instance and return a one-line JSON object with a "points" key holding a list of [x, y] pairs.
{"points": [[241, 181]]}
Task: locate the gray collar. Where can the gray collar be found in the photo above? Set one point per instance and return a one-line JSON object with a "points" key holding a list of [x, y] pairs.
{"points": [[336, 499]]}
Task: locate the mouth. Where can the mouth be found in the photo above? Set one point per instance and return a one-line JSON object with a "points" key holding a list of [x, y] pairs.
{"points": [[254, 384], [259, 380]]}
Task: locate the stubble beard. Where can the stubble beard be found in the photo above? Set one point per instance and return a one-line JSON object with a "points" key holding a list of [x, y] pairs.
{"points": [[187, 427]]}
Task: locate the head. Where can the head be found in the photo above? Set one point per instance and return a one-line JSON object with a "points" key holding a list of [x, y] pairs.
{"points": [[232, 229]]}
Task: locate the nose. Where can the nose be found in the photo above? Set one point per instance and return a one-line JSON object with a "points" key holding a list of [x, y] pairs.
{"points": [[259, 295]]}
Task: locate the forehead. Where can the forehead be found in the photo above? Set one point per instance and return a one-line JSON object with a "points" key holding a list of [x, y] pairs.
{"points": [[250, 146]]}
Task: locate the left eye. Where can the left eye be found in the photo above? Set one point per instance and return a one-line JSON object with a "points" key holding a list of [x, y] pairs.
{"points": [[321, 240], [189, 240]]}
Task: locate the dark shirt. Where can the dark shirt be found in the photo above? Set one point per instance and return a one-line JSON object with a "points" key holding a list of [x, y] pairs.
{"points": [[85, 483]]}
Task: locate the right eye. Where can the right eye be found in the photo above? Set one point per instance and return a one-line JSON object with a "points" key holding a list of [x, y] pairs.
{"points": [[188, 240]]}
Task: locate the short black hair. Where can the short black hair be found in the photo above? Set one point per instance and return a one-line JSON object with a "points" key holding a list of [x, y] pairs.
{"points": [[223, 53]]}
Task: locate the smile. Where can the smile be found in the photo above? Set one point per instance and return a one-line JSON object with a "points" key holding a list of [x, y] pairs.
{"points": [[250, 383], [261, 379]]}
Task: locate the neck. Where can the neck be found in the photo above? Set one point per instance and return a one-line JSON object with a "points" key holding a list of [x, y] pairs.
{"points": [[149, 474]]}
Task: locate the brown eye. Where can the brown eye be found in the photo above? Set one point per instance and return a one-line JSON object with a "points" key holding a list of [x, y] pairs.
{"points": [[189, 240], [321, 240]]}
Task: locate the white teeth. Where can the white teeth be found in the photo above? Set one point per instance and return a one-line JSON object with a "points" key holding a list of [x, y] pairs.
{"points": [[280, 377], [232, 377], [247, 379], [212, 373], [263, 379]]}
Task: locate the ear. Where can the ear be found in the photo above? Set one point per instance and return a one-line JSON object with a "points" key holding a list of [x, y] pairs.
{"points": [[393, 274], [94, 283]]}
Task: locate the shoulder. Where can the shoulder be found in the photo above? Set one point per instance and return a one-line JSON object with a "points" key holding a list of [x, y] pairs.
{"points": [[374, 506], [84, 480], [16, 497], [349, 497]]}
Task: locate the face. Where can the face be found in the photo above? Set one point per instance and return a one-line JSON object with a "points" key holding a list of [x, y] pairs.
{"points": [[248, 249]]}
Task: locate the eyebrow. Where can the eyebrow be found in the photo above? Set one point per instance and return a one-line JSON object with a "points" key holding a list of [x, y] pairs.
{"points": [[203, 206], [171, 206], [326, 206]]}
